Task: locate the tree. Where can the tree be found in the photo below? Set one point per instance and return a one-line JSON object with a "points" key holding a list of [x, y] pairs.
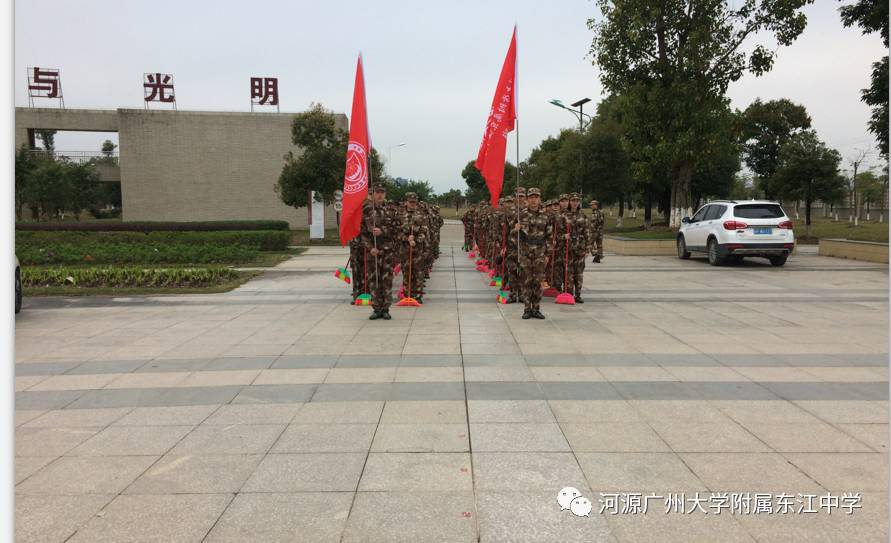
{"points": [[321, 165], [672, 61], [871, 188], [452, 198], [764, 127], [83, 187], [25, 164], [477, 190], [48, 138], [809, 172], [421, 188], [872, 16]]}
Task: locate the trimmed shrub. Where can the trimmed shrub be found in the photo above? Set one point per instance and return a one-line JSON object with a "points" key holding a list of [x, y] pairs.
{"points": [[259, 240], [122, 277], [133, 253], [151, 226]]}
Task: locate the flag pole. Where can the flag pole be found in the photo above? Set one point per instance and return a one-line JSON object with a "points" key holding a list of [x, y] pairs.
{"points": [[517, 126]]}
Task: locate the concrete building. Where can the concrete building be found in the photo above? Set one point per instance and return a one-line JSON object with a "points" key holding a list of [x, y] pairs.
{"points": [[189, 165]]}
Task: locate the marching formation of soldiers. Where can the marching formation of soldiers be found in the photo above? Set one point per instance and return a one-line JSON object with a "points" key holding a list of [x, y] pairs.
{"points": [[394, 236], [536, 245]]}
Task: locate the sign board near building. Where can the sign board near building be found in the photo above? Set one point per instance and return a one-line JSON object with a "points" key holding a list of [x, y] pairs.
{"points": [[45, 83], [158, 87]]}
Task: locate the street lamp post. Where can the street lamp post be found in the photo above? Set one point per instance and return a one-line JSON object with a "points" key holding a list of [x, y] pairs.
{"points": [[581, 117], [390, 152]]}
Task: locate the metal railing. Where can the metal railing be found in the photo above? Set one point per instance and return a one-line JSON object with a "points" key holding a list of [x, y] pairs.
{"points": [[79, 157]]}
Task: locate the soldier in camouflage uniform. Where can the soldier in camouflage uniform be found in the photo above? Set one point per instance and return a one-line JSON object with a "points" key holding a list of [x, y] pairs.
{"points": [[596, 232], [379, 234], [579, 245], [415, 235], [535, 241], [558, 236], [512, 267]]}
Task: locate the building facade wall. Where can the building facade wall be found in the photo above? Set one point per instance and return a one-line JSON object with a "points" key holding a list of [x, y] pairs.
{"points": [[191, 165]]}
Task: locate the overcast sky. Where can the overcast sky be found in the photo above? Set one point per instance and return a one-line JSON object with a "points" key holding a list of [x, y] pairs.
{"points": [[431, 68]]}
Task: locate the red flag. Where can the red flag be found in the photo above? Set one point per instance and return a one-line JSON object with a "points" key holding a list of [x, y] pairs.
{"points": [[355, 179], [490, 160]]}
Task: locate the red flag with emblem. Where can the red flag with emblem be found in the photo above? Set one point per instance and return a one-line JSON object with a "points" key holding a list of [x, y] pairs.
{"points": [[355, 179], [502, 116]]}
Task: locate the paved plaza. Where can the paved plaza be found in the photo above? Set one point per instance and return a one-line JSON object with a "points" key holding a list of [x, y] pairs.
{"points": [[278, 412]]}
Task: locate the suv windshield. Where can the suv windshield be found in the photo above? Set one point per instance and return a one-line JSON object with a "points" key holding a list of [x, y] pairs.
{"points": [[758, 211]]}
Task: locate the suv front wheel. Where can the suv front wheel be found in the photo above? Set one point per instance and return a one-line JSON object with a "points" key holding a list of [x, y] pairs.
{"points": [[683, 253], [714, 256]]}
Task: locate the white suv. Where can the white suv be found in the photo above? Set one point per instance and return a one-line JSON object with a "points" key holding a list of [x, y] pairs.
{"points": [[727, 231]]}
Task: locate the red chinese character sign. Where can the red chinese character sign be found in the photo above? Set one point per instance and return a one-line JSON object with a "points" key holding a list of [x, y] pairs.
{"points": [[44, 83], [264, 92], [158, 87]]}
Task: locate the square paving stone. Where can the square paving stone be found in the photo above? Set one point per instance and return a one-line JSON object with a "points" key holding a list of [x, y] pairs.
{"points": [[504, 391], [419, 412], [309, 361], [51, 519], [657, 527], [340, 392], [155, 397], [411, 517], [86, 475], [685, 410], [579, 391], [36, 400], [155, 518], [498, 373], [417, 472], [870, 523], [314, 517], [315, 472], [292, 376], [24, 416], [749, 472], [764, 411], [334, 412], [421, 438], [275, 394], [593, 411], [75, 382], [429, 375], [49, 441], [218, 378], [167, 416], [78, 418], [874, 435], [368, 361], [240, 363], [426, 391], [517, 437], [545, 472], [196, 474], [318, 438], [567, 374], [805, 437], [361, 375], [845, 472], [643, 472], [847, 411], [231, 439], [254, 414], [174, 365], [509, 411], [107, 366], [129, 440], [145, 380], [707, 437], [534, 517], [612, 437], [26, 466]]}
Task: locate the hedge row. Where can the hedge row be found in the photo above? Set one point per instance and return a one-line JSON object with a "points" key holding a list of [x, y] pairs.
{"points": [[122, 277], [134, 253], [259, 240], [150, 226]]}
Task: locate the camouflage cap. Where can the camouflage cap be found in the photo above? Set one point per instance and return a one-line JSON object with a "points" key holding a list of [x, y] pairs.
{"points": [[594, 202], [575, 196], [563, 197], [379, 187], [533, 192], [521, 191], [411, 197]]}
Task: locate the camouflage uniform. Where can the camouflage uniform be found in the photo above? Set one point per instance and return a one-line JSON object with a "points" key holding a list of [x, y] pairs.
{"points": [[559, 268], [512, 268], [579, 245], [596, 232], [535, 243], [414, 223], [380, 268], [358, 257]]}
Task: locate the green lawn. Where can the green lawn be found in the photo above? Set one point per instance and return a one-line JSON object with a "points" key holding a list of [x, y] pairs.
{"points": [[301, 238], [243, 277]]}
